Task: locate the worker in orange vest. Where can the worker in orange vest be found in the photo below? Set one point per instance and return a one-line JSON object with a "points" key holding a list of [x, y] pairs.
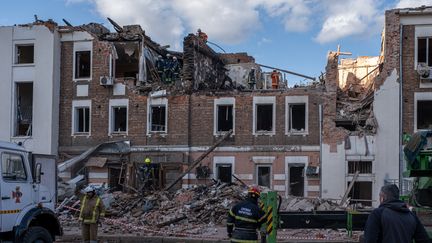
{"points": [[275, 79]]}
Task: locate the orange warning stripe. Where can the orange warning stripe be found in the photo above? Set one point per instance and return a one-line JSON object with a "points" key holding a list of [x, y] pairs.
{"points": [[10, 211]]}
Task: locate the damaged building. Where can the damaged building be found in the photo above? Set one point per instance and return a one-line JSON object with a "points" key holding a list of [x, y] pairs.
{"points": [[375, 102], [172, 107]]}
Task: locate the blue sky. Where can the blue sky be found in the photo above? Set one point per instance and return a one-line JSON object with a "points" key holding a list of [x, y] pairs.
{"points": [[289, 34]]}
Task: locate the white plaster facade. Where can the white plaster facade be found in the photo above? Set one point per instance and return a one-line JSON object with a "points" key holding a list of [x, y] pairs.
{"points": [[44, 73]]}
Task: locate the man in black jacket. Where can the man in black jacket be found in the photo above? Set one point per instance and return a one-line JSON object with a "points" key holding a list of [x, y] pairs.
{"points": [[392, 221], [245, 218]]}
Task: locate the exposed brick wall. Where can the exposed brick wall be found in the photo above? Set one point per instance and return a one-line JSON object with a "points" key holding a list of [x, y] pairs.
{"points": [[202, 67], [234, 58]]}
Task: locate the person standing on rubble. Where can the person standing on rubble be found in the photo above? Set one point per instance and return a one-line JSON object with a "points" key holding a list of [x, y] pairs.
{"points": [[275, 79], [245, 218], [92, 210], [393, 221], [147, 174]]}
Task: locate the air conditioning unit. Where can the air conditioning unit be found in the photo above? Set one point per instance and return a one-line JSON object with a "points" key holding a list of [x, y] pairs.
{"points": [[106, 81], [424, 71]]}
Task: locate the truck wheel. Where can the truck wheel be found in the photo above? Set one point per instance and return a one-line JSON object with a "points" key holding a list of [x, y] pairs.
{"points": [[37, 234]]}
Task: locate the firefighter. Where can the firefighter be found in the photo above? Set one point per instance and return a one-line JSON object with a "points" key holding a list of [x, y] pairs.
{"points": [[275, 79], [203, 36], [92, 210], [147, 175], [245, 218]]}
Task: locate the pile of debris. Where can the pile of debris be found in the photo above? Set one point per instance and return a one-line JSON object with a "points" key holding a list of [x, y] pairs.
{"points": [[309, 204], [190, 210]]}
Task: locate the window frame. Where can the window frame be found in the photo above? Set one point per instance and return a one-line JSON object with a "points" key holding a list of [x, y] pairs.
{"points": [[24, 166], [80, 46], [151, 102], [225, 101], [15, 102], [76, 104], [115, 103], [223, 160], [420, 96], [296, 100], [18, 44], [263, 100]]}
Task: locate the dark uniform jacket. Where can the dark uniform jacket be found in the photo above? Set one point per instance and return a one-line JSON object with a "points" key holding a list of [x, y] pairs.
{"points": [[393, 222], [244, 219]]}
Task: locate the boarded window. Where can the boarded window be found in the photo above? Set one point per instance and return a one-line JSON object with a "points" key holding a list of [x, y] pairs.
{"points": [[224, 172], [119, 119], [24, 54], [82, 64], [158, 119], [82, 120], [224, 118], [263, 175], [297, 117], [361, 193], [424, 50], [24, 109], [264, 117], [364, 167], [424, 114]]}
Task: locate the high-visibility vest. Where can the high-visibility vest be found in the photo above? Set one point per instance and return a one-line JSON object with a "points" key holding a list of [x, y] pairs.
{"points": [[93, 219]]}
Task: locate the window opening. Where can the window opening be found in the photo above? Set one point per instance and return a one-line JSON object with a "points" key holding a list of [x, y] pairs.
{"points": [[364, 167], [264, 119], [297, 117], [158, 119], [424, 114], [224, 172], [82, 64], [24, 54], [264, 176], [24, 109], [296, 181], [82, 120], [225, 118], [120, 119]]}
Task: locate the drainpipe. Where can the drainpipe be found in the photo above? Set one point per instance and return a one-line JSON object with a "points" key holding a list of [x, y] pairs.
{"points": [[320, 114], [401, 167]]}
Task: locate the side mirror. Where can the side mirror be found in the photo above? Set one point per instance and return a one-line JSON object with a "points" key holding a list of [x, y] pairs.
{"points": [[38, 173]]}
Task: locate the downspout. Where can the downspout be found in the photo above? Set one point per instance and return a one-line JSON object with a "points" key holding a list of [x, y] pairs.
{"points": [[320, 141], [401, 167]]}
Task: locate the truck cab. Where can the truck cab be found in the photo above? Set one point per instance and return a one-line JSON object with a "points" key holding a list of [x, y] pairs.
{"points": [[28, 195]]}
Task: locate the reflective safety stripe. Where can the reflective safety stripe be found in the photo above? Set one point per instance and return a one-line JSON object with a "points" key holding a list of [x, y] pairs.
{"points": [[245, 219], [231, 213], [243, 241], [229, 223], [93, 219]]}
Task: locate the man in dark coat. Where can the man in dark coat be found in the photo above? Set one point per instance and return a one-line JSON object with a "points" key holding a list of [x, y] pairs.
{"points": [[392, 221]]}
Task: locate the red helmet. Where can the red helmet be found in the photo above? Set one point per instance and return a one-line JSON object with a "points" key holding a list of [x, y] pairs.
{"points": [[254, 191]]}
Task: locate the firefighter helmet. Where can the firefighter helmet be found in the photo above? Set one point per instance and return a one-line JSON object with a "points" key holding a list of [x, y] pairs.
{"points": [[89, 188], [254, 191], [147, 160]]}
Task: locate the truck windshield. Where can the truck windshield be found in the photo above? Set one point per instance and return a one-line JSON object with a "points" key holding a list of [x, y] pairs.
{"points": [[12, 167]]}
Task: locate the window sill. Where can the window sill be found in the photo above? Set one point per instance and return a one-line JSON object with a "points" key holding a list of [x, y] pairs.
{"points": [[21, 137], [157, 134], [82, 79], [81, 135], [118, 134], [305, 133], [23, 65], [256, 134], [220, 134]]}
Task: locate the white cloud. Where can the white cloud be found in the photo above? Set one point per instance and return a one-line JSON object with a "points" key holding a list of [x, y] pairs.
{"points": [[233, 21], [350, 17], [413, 3]]}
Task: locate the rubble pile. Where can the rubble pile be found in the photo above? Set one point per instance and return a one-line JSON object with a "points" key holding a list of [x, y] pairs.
{"points": [[193, 211], [309, 204]]}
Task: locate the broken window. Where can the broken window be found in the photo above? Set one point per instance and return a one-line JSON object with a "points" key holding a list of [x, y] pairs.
{"points": [[361, 193], [364, 167], [224, 118], [24, 109], [119, 119], [264, 117], [127, 62], [424, 50], [296, 180], [82, 119], [82, 64], [263, 175], [297, 117], [158, 118], [224, 172], [24, 54], [424, 114]]}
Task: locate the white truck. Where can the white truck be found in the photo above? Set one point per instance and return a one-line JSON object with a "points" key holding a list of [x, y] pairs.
{"points": [[28, 196]]}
